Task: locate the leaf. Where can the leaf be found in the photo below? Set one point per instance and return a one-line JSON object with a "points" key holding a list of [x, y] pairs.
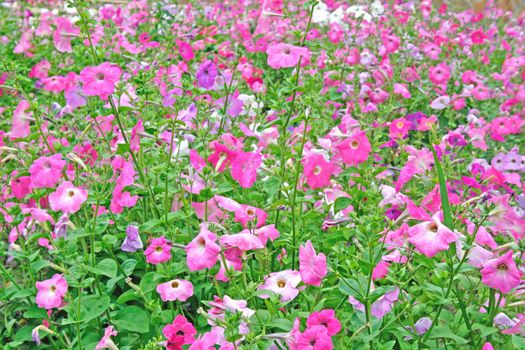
{"points": [[351, 287], [282, 323], [446, 333], [107, 267], [341, 203], [23, 293], [122, 148], [133, 319], [128, 266], [445, 202], [93, 306], [35, 312]]}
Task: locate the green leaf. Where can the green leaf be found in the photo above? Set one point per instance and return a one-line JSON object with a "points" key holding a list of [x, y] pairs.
{"points": [[282, 323], [35, 312], [128, 266], [93, 306], [122, 148], [341, 203], [107, 267], [379, 292], [133, 319], [23, 293], [445, 202], [446, 333]]}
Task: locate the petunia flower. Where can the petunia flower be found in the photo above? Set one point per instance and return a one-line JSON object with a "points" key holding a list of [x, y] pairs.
{"points": [[51, 291], [67, 198], [158, 251], [431, 237], [283, 283], [501, 273], [175, 290], [312, 266]]}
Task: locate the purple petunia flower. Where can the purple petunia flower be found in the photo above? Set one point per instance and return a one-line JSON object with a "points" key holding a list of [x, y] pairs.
{"points": [[132, 242], [206, 74]]}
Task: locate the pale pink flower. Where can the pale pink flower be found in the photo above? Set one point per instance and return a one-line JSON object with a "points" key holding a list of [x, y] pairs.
{"points": [[20, 126], [175, 290], [158, 251], [243, 241], [501, 273], [283, 283], [431, 237], [51, 291], [106, 342], [312, 266], [203, 251], [67, 198], [46, 171], [282, 55]]}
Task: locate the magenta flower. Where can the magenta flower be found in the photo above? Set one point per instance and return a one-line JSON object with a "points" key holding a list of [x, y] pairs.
{"points": [[158, 251], [206, 75], [355, 149], [203, 251], [501, 273], [46, 171], [178, 333], [312, 266], [314, 338], [325, 318], [283, 283], [21, 186], [439, 74], [317, 171], [431, 237], [100, 80], [282, 55], [50, 292], [175, 290], [106, 342], [67, 198]]}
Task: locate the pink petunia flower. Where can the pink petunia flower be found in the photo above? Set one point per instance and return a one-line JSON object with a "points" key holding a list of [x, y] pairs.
{"points": [[312, 266], [317, 170], [325, 318], [175, 290], [244, 168], [158, 251], [203, 251], [314, 338], [355, 149], [20, 126], [46, 171], [67, 198], [501, 273], [282, 55], [179, 332], [100, 80], [106, 342], [51, 291], [283, 283], [431, 237]]}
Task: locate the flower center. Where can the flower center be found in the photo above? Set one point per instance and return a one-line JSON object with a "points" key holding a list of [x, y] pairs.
{"points": [[317, 170], [400, 125], [433, 227], [250, 212], [52, 288], [281, 283], [354, 144], [70, 193], [502, 267], [174, 284], [287, 51], [158, 249], [201, 241], [99, 76]]}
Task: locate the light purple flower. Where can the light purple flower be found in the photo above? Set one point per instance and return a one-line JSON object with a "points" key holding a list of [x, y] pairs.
{"points": [[207, 74], [132, 242]]}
